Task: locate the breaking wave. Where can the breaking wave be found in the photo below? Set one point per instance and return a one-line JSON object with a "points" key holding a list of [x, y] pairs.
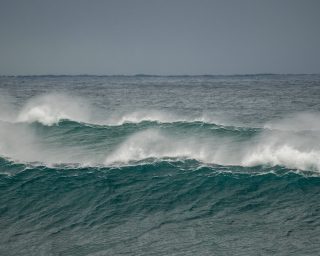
{"points": [[159, 166], [53, 108], [149, 135], [271, 149]]}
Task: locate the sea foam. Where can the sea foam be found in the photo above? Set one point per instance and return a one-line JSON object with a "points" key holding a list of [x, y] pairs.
{"points": [[292, 149], [52, 108], [292, 141]]}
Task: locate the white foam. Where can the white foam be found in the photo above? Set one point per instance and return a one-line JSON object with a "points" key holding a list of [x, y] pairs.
{"points": [[139, 116], [155, 144], [297, 150], [283, 155], [52, 108], [293, 142]]}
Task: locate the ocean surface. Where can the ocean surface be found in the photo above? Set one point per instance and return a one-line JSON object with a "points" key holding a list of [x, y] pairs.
{"points": [[152, 165]]}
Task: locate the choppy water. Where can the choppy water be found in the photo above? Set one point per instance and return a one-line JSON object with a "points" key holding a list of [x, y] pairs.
{"points": [[204, 165]]}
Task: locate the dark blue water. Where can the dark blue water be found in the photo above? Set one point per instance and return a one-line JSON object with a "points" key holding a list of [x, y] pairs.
{"points": [[205, 165]]}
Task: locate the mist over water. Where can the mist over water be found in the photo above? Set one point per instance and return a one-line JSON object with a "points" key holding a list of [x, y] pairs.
{"points": [[143, 160], [291, 141]]}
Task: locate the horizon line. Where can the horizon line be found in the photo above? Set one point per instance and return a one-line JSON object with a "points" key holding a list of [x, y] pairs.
{"points": [[155, 75]]}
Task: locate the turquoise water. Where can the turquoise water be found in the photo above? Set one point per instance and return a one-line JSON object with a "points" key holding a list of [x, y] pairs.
{"points": [[206, 165]]}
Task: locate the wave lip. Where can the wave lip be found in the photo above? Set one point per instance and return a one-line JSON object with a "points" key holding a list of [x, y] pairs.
{"points": [[43, 114], [140, 116], [51, 109], [284, 155]]}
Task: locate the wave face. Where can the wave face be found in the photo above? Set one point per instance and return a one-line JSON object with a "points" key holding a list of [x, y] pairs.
{"points": [[160, 165]]}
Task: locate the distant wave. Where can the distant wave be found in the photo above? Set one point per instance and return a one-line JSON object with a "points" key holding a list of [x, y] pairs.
{"points": [[51, 109]]}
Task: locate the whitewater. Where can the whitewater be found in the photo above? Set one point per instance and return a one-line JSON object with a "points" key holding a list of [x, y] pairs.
{"points": [[143, 165]]}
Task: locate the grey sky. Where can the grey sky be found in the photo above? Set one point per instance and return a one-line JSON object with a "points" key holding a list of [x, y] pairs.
{"points": [[159, 36]]}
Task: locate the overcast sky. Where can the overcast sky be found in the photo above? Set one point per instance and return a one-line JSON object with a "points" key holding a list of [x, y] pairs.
{"points": [[159, 36]]}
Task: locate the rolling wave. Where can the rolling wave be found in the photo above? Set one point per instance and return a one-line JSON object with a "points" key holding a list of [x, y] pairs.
{"points": [[291, 151], [58, 129], [51, 109], [74, 143]]}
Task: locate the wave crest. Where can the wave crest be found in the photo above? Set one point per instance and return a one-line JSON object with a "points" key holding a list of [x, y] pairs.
{"points": [[285, 155], [292, 142], [50, 109], [291, 150], [139, 116]]}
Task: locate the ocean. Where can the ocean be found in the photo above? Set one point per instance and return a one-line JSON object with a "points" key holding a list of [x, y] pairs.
{"points": [[160, 165]]}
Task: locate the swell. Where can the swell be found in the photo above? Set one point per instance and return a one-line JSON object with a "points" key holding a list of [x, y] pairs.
{"points": [[64, 196], [103, 208], [90, 197]]}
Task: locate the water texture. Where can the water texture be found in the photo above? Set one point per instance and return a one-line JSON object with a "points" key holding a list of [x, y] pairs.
{"points": [[151, 165]]}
